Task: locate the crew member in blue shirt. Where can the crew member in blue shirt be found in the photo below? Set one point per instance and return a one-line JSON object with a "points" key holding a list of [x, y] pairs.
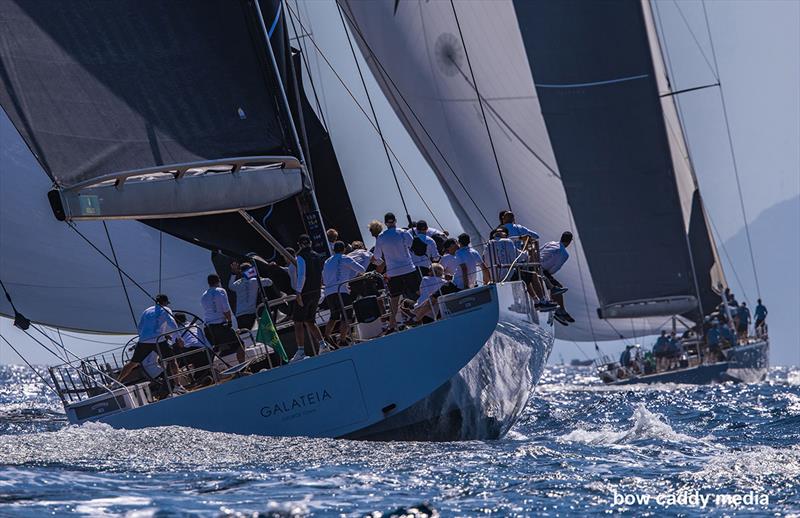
{"points": [[153, 328], [553, 256], [713, 337]]}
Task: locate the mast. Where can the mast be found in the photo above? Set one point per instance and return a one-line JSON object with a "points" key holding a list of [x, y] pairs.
{"points": [[318, 233]]}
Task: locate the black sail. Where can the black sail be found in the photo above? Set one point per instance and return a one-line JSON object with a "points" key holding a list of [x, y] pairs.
{"points": [[101, 87], [597, 87]]}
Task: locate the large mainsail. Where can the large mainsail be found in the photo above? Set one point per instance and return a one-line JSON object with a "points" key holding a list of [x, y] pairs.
{"points": [[133, 111], [527, 105], [147, 108]]}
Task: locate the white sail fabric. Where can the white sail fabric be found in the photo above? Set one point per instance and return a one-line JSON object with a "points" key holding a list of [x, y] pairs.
{"points": [[415, 51], [54, 277]]}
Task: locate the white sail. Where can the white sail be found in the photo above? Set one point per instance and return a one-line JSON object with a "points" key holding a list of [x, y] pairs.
{"points": [[56, 278], [415, 51]]}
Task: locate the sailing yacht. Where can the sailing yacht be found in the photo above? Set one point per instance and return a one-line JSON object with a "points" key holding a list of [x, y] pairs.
{"points": [[207, 145], [564, 111]]}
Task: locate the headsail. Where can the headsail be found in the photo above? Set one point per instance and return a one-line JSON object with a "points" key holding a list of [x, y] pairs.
{"points": [[463, 77], [166, 102]]}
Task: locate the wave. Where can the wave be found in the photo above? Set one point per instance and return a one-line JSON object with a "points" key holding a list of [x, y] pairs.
{"points": [[646, 426]]}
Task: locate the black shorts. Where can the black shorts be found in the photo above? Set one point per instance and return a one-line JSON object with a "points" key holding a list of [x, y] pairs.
{"points": [[425, 271], [759, 322], [308, 311], [742, 328], [140, 352], [222, 337], [406, 285], [552, 279], [246, 321], [337, 304]]}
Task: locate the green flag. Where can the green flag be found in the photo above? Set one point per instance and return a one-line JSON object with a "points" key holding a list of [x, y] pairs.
{"points": [[268, 335]]}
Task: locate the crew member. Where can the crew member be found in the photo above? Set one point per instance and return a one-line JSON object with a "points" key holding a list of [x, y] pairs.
{"points": [[338, 270], [423, 248], [469, 261], [744, 321], [554, 254], [393, 246], [244, 282], [307, 284], [761, 318], [154, 325], [219, 320]]}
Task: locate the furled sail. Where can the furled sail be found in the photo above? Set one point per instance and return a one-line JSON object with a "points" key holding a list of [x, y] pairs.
{"points": [[147, 109], [541, 107]]}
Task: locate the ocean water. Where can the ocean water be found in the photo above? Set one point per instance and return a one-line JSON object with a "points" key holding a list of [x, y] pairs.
{"points": [[580, 449]]}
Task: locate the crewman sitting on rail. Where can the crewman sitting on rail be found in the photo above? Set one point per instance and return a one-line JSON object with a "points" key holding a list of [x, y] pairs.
{"points": [[500, 253], [154, 326], [218, 317], [338, 270], [244, 282], [554, 254]]}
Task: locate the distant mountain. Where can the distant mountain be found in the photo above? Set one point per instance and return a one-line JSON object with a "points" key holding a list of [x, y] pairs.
{"points": [[776, 244]]}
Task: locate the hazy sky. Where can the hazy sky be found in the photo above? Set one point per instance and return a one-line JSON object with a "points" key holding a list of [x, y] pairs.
{"points": [[757, 44]]}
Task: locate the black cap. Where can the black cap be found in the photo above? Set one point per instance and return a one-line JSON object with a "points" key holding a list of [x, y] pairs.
{"points": [[303, 238], [162, 299], [422, 225], [389, 218]]}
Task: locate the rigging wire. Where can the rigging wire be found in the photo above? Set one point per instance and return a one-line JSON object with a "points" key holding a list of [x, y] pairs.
{"points": [[728, 257], [304, 60], [41, 377], [583, 284], [363, 111], [696, 41], [480, 102], [160, 254], [119, 271], [388, 78], [374, 115], [733, 153]]}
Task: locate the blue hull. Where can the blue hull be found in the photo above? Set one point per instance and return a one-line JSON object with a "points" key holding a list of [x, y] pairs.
{"points": [[485, 399], [467, 376], [745, 364]]}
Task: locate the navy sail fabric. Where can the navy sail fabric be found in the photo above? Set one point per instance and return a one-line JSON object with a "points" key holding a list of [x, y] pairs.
{"points": [[596, 84], [103, 87]]}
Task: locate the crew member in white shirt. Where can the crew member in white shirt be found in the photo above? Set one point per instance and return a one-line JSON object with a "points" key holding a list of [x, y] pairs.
{"points": [[244, 282], [154, 324], [500, 253], [429, 291], [423, 257], [554, 254], [448, 260], [393, 246], [469, 261], [368, 285], [218, 317], [337, 271]]}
